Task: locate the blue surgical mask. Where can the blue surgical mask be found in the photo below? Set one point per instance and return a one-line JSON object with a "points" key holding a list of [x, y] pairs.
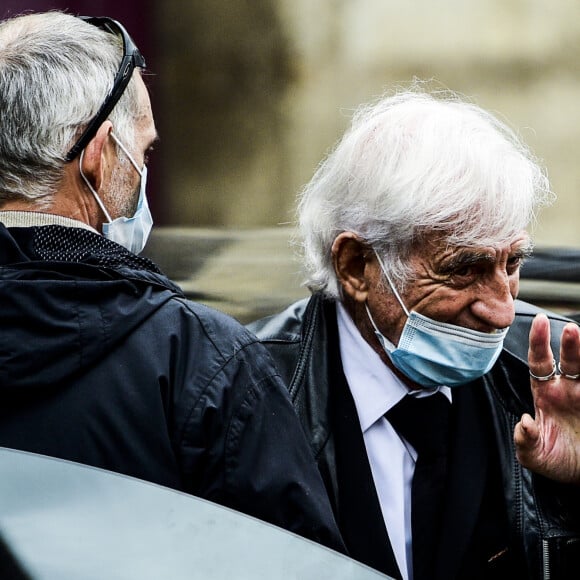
{"points": [[131, 232], [433, 353]]}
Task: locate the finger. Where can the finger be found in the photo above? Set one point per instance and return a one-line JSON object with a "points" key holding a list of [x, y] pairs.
{"points": [[570, 350], [540, 357], [526, 438]]}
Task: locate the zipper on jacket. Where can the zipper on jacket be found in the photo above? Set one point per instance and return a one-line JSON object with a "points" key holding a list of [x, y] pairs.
{"points": [[546, 559]]}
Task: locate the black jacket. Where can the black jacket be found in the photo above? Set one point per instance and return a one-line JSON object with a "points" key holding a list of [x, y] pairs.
{"points": [[543, 518], [104, 362]]}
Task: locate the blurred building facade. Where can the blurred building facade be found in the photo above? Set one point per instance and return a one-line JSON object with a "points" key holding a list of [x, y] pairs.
{"points": [[250, 94], [256, 91]]}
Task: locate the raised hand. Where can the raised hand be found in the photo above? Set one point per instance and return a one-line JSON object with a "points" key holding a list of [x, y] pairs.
{"points": [[550, 443]]}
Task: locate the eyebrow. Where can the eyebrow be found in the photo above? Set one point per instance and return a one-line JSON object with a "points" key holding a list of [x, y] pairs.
{"points": [[524, 251], [467, 257]]}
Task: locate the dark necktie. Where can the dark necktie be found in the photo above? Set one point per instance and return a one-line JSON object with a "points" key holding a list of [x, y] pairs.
{"points": [[424, 423]]}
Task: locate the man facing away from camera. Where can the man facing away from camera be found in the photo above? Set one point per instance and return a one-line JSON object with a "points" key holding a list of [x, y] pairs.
{"points": [[444, 414], [102, 359]]}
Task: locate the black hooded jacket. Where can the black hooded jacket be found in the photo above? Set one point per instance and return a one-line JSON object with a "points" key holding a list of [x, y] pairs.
{"points": [[103, 361]]}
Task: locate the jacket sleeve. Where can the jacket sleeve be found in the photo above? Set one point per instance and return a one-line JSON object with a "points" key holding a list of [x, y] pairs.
{"points": [[241, 443], [270, 468]]}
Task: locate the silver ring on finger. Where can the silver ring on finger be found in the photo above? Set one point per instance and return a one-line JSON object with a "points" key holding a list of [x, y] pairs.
{"points": [[545, 377], [566, 375]]}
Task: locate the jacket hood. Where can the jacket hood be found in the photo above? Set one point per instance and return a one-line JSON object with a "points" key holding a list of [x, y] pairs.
{"points": [[59, 318]]}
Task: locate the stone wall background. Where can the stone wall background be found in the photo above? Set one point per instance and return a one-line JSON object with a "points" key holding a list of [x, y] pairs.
{"points": [[251, 93]]}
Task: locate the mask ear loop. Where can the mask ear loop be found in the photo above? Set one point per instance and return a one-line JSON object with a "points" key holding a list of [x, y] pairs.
{"points": [[382, 339], [371, 319], [126, 152], [95, 194], [385, 342], [394, 290]]}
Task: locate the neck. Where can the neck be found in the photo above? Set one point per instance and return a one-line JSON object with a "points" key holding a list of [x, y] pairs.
{"points": [[69, 200]]}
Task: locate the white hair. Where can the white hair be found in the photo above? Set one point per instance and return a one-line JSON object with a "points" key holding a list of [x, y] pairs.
{"points": [[414, 163], [55, 72]]}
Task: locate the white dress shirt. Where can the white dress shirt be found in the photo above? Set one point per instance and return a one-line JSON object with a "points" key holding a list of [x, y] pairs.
{"points": [[375, 390]]}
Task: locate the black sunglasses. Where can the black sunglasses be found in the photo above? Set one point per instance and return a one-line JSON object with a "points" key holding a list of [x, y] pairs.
{"points": [[132, 58]]}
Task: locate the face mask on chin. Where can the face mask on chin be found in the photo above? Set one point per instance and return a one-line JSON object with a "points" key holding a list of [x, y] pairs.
{"points": [[130, 232], [433, 353]]}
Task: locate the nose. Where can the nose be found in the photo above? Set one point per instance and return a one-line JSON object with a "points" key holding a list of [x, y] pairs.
{"points": [[495, 304]]}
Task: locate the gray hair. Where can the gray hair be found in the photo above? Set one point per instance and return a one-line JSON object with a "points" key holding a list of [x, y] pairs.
{"points": [[55, 72], [414, 163]]}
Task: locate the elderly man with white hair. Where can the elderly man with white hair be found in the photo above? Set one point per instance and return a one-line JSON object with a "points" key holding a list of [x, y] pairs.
{"points": [[444, 421]]}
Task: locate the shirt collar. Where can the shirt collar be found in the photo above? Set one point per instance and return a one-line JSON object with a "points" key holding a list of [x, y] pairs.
{"points": [[27, 219]]}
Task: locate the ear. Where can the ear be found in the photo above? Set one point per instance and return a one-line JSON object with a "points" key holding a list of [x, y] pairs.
{"points": [[98, 156], [349, 257]]}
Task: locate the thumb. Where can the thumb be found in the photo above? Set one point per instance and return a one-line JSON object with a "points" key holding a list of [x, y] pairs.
{"points": [[526, 436]]}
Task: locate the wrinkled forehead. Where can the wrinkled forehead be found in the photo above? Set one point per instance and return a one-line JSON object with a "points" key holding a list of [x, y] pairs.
{"points": [[441, 244]]}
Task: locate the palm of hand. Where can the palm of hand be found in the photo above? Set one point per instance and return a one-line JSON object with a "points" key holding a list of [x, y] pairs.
{"points": [[550, 443]]}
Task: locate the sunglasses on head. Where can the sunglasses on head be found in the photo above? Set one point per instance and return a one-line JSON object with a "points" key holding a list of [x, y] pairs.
{"points": [[132, 59]]}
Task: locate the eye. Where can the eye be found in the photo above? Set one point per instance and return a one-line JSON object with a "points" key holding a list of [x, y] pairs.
{"points": [[464, 271], [514, 263], [463, 275]]}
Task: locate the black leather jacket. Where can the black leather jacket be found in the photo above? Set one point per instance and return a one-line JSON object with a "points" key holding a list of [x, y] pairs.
{"points": [[544, 516]]}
